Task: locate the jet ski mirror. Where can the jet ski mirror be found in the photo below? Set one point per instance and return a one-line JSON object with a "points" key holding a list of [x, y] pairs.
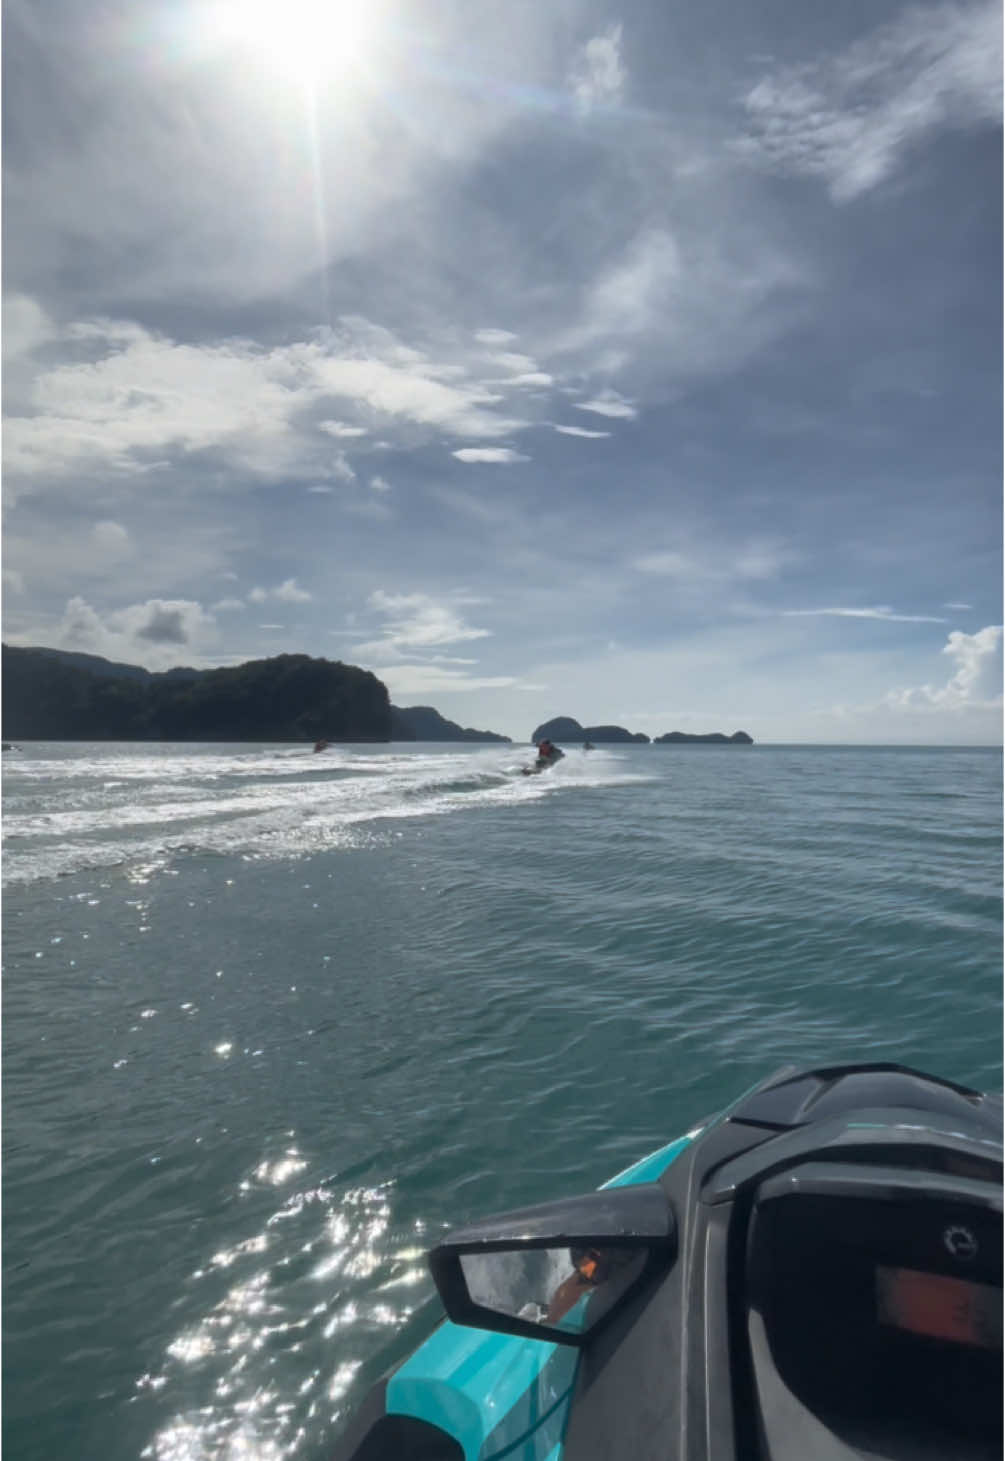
{"points": [[558, 1271]]}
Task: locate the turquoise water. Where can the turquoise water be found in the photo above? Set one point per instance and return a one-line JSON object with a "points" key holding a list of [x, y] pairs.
{"points": [[272, 1020]]}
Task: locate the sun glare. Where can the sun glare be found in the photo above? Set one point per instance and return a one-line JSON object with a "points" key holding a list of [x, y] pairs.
{"points": [[305, 38]]}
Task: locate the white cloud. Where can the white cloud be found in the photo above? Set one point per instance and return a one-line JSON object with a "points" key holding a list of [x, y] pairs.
{"points": [[609, 403], [758, 561], [850, 119], [341, 469], [321, 489], [421, 680], [499, 454], [341, 429], [226, 605], [494, 337], [958, 606], [378, 484], [140, 396], [158, 633], [598, 74], [416, 622], [111, 538], [976, 683], [25, 326], [272, 626], [882, 611], [581, 431], [290, 592]]}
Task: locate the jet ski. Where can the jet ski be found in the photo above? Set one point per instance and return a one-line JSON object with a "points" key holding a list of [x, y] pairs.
{"points": [[547, 755], [814, 1274]]}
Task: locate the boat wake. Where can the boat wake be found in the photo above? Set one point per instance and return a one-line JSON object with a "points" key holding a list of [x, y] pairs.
{"points": [[69, 809]]}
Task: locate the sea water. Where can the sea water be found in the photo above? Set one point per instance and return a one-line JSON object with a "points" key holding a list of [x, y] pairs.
{"points": [[273, 1020]]}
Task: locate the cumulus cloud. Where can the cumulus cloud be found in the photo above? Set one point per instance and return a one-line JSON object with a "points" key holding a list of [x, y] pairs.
{"points": [[976, 682], [581, 431], [609, 403], [378, 484], [502, 455], [882, 611], [850, 119], [156, 634], [288, 592], [598, 75], [25, 326], [416, 622]]}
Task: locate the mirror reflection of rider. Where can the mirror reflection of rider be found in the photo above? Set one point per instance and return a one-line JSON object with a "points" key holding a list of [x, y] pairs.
{"points": [[590, 1268]]}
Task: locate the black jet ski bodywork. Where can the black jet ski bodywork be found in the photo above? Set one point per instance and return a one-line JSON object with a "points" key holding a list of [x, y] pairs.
{"points": [[814, 1275]]}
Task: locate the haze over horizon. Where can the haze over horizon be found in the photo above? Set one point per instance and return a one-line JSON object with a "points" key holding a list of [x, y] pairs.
{"points": [[640, 364]]}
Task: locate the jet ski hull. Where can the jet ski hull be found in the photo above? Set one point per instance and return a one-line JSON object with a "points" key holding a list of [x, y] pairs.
{"points": [[688, 1372]]}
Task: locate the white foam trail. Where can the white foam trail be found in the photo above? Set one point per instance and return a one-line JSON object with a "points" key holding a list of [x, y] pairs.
{"points": [[97, 808]]}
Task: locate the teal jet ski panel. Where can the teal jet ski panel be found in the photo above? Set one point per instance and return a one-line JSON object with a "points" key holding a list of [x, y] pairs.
{"points": [[836, 1292]]}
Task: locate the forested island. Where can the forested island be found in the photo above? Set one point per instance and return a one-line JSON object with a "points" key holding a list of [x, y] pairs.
{"points": [[51, 694], [716, 738], [565, 728]]}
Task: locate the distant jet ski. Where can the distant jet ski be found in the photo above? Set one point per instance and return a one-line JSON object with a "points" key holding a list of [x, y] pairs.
{"points": [[320, 746], [547, 755]]}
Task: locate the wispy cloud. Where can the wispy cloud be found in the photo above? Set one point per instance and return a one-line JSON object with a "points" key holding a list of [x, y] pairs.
{"points": [[755, 561], [609, 403], [416, 622], [500, 455], [341, 429], [850, 119], [598, 75], [581, 431], [881, 611], [959, 606]]}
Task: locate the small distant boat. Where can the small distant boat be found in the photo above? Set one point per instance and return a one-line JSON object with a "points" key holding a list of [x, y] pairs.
{"points": [[589, 746]]}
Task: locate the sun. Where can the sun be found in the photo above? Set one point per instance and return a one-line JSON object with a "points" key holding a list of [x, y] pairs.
{"points": [[304, 38]]}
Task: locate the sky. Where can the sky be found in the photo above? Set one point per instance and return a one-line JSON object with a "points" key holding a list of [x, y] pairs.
{"points": [[640, 364]]}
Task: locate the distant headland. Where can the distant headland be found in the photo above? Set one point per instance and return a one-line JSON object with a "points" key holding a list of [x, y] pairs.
{"points": [[58, 695], [565, 728]]}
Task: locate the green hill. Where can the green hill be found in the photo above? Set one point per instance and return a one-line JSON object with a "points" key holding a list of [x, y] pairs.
{"points": [[56, 695]]}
